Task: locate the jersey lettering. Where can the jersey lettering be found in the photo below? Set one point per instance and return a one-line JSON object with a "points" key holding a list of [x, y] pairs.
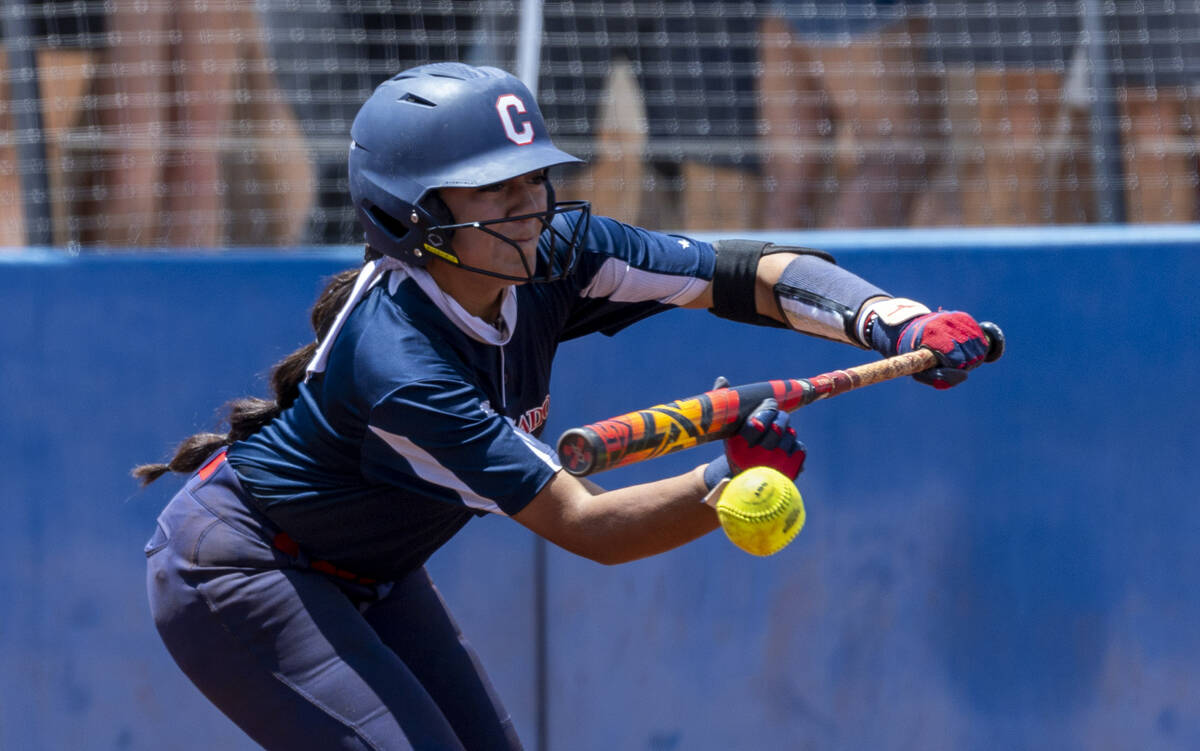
{"points": [[506, 104], [535, 418]]}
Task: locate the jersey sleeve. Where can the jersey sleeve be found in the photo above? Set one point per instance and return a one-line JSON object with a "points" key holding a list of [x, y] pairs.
{"points": [[439, 439], [627, 273]]}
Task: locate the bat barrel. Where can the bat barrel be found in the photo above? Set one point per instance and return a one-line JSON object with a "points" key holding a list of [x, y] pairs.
{"points": [[667, 428]]}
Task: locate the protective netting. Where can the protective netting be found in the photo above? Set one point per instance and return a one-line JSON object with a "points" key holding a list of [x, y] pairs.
{"points": [[219, 123]]}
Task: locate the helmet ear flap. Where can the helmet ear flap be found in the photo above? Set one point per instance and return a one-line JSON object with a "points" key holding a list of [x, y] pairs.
{"points": [[440, 215], [385, 230], [419, 226]]}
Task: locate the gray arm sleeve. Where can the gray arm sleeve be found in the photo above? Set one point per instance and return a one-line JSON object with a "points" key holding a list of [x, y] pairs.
{"points": [[821, 299]]}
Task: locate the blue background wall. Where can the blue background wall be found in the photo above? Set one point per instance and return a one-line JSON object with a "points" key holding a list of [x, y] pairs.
{"points": [[1009, 565]]}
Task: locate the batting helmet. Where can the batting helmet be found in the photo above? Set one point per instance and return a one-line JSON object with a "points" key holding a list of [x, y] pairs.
{"points": [[450, 125]]}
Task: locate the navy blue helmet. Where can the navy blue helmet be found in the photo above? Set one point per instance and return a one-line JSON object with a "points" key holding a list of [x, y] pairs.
{"points": [[451, 125]]}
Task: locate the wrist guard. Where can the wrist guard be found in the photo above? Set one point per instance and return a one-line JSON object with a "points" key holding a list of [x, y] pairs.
{"points": [[879, 325]]}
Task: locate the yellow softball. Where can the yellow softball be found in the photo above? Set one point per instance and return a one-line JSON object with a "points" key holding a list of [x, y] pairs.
{"points": [[761, 510]]}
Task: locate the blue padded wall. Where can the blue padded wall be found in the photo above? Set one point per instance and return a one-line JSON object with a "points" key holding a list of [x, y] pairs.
{"points": [[1008, 565]]}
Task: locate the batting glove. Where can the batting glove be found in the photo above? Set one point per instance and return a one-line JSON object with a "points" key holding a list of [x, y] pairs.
{"points": [[953, 336], [764, 439]]}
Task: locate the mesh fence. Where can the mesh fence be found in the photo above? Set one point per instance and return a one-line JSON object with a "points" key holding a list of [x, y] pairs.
{"points": [[220, 123]]}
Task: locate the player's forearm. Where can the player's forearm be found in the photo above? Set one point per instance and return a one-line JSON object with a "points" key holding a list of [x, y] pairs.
{"points": [[643, 520], [621, 525]]}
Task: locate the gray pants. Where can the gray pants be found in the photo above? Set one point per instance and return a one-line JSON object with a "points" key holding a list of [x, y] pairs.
{"points": [[300, 659]]}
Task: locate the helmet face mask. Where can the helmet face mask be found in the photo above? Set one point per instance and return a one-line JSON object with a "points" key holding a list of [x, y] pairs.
{"points": [[557, 250], [453, 125]]}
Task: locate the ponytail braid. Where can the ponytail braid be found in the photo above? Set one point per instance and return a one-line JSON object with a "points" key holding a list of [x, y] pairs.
{"points": [[250, 414]]}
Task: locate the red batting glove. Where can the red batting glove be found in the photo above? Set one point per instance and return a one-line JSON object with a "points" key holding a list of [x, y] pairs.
{"points": [[953, 336], [764, 440]]}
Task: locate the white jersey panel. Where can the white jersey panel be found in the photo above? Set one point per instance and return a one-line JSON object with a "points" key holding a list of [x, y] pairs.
{"points": [[429, 469], [539, 449], [620, 282]]}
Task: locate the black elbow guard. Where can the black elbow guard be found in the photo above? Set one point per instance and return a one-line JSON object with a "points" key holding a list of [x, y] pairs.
{"points": [[736, 276]]}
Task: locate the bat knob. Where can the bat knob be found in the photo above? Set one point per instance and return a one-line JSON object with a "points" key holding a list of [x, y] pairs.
{"points": [[576, 452], [995, 341]]}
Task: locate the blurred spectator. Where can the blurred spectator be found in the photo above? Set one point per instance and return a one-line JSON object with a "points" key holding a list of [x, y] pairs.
{"points": [[332, 55], [65, 34], [1020, 87], [196, 146], [694, 65], [1155, 62], [165, 123], [842, 95], [1010, 117]]}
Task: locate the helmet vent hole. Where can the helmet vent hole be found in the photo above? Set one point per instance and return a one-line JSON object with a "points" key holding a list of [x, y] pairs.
{"points": [[414, 99], [387, 222]]}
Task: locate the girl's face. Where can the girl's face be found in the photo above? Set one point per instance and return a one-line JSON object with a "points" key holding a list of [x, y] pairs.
{"points": [[525, 194]]}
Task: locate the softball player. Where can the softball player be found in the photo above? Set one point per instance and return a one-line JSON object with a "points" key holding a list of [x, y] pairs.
{"points": [[287, 577]]}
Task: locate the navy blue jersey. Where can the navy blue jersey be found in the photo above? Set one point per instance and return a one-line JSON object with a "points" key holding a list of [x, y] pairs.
{"points": [[417, 415]]}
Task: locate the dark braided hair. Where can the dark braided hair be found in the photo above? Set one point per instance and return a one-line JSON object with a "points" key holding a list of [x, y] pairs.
{"points": [[250, 414]]}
